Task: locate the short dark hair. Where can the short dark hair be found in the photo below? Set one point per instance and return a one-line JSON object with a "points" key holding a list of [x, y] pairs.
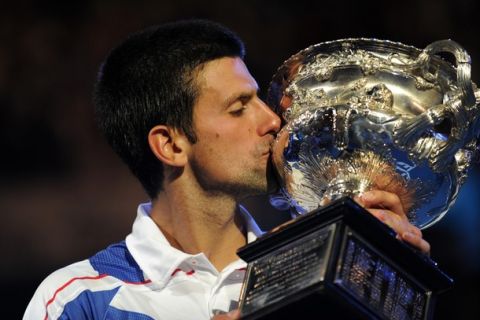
{"points": [[148, 80]]}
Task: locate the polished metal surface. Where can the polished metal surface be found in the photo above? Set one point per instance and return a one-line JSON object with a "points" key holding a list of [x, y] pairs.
{"points": [[366, 114]]}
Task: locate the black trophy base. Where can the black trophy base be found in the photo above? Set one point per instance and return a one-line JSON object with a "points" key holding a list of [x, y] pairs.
{"points": [[338, 262]]}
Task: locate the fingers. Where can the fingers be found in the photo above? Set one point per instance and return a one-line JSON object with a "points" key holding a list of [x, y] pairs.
{"points": [[381, 200], [416, 241], [387, 207], [391, 219], [404, 229], [398, 223]]}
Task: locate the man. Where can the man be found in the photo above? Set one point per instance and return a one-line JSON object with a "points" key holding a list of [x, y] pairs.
{"points": [[179, 106]]}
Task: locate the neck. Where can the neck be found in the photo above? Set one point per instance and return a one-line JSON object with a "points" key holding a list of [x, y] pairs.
{"points": [[195, 221]]}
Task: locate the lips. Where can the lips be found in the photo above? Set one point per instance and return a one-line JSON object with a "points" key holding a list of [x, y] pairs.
{"points": [[267, 151], [264, 149]]}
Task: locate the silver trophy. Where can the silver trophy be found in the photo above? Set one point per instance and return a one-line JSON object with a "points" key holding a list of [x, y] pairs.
{"points": [[366, 114], [361, 114]]}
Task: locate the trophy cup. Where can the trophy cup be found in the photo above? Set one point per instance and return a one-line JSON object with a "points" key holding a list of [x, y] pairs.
{"points": [[361, 114]]}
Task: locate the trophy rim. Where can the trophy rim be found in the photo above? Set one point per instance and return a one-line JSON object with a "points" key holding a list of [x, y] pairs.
{"points": [[277, 84]]}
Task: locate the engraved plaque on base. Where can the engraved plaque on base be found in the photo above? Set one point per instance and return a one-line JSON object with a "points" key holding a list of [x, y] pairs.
{"points": [[339, 262]]}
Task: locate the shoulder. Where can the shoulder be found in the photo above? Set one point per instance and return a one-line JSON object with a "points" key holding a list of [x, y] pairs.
{"points": [[86, 288]]}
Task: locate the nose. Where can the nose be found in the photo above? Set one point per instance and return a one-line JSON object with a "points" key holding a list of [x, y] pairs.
{"points": [[269, 121]]}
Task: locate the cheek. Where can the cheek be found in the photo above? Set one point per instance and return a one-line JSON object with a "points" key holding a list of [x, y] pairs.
{"points": [[212, 145], [226, 137]]}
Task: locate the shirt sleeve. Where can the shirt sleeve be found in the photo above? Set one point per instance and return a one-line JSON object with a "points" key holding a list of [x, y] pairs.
{"points": [[62, 292]]}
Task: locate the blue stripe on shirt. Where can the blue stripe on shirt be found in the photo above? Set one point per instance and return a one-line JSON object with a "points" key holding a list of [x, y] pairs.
{"points": [[117, 262], [88, 305]]}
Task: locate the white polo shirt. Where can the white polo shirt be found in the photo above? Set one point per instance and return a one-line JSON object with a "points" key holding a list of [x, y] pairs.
{"points": [[143, 277]]}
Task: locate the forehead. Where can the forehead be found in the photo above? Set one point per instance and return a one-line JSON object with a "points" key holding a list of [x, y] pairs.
{"points": [[221, 78]]}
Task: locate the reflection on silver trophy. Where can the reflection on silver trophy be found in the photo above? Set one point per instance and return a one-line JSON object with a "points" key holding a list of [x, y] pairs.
{"points": [[366, 114]]}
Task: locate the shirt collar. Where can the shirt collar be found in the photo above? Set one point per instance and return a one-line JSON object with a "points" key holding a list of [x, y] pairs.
{"points": [[154, 254]]}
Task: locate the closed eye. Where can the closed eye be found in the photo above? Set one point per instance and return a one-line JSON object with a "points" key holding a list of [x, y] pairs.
{"points": [[242, 97], [238, 111], [240, 105]]}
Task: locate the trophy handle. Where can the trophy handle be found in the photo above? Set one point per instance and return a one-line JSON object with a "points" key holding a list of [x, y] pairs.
{"points": [[463, 66], [457, 114]]}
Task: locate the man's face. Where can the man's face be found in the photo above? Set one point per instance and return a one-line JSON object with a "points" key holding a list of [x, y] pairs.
{"points": [[234, 130]]}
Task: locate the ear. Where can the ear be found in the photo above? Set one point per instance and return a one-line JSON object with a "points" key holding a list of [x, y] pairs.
{"points": [[169, 145]]}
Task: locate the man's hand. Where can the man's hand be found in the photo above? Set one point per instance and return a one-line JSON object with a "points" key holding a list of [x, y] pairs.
{"points": [[232, 315], [387, 207]]}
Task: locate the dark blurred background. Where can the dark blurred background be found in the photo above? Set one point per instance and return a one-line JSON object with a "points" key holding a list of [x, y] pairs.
{"points": [[64, 195]]}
